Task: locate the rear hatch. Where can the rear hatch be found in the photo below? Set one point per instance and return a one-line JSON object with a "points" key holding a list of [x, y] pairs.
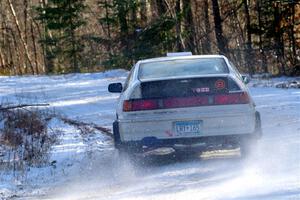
{"points": [[184, 87]]}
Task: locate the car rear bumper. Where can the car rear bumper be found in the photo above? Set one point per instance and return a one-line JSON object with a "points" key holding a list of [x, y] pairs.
{"points": [[203, 143], [155, 132], [164, 128]]}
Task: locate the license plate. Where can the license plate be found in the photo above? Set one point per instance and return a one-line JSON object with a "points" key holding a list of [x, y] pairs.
{"points": [[188, 128]]}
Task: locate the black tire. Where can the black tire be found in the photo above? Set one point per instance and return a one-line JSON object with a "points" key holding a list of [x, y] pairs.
{"points": [[248, 143]]}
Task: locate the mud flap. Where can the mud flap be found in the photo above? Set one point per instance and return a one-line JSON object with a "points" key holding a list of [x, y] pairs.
{"points": [[116, 133], [258, 130]]}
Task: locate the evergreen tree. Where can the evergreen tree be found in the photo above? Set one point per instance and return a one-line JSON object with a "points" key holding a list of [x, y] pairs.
{"points": [[61, 19], [269, 28], [133, 40]]}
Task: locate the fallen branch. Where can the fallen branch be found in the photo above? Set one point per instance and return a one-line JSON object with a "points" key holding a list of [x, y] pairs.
{"points": [[21, 106], [76, 123]]}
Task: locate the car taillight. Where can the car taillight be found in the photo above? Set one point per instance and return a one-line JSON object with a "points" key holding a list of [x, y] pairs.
{"points": [[181, 102], [127, 106], [231, 98], [136, 105]]}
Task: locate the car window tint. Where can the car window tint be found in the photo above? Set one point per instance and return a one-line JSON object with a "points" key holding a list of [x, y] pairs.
{"points": [[182, 67]]}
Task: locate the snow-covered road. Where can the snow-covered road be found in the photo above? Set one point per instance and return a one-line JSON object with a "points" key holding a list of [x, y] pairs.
{"points": [[82, 172]]}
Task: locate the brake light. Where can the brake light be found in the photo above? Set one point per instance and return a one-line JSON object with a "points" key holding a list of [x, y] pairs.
{"points": [[233, 98], [244, 98], [135, 105], [127, 106]]}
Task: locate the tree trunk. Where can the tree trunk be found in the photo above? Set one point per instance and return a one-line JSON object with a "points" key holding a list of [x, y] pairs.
{"points": [[249, 50], [2, 60], [189, 26], [264, 62], [16, 50], [221, 42], [279, 48], [293, 4], [121, 14], [12, 62], [153, 9], [43, 36], [74, 59], [34, 49], [12, 10], [179, 43], [143, 12], [25, 3], [207, 41], [2, 57]]}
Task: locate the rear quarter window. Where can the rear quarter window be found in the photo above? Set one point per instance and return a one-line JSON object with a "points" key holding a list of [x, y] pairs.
{"points": [[182, 67]]}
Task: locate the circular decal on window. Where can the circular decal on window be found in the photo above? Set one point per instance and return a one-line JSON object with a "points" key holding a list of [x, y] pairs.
{"points": [[220, 84]]}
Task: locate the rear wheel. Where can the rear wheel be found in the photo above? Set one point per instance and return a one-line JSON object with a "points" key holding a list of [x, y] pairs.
{"points": [[247, 144]]}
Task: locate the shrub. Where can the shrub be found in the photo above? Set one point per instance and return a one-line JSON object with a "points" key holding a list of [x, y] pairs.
{"points": [[25, 132]]}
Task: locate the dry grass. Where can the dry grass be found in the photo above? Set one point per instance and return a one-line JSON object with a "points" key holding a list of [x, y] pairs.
{"points": [[26, 135]]}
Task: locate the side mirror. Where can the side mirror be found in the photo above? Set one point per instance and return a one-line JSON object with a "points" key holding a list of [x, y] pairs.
{"points": [[115, 87], [246, 79]]}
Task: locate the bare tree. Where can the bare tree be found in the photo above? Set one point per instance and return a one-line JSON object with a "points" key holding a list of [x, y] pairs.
{"points": [[207, 41], [22, 37], [249, 50]]}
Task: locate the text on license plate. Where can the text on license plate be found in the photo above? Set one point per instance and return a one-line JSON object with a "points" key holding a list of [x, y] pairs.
{"points": [[188, 127]]}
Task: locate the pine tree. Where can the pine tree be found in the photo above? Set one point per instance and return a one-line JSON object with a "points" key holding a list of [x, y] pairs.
{"points": [[61, 19], [133, 39]]}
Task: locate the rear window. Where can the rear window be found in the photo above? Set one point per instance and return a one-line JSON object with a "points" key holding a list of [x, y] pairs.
{"points": [[182, 67]]}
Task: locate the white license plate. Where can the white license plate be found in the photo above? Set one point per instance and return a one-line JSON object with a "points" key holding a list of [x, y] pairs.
{"points": [[188, 128]]}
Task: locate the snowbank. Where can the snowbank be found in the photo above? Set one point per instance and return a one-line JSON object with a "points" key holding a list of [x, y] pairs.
{"points": [[280, 82]]}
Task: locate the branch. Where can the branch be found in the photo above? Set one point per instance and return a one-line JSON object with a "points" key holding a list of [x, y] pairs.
{"points": [[22, 106], [76, 123]]}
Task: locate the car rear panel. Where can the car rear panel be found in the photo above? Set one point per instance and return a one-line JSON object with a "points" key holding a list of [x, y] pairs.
{"points": [[215, 120], [166, 103]]}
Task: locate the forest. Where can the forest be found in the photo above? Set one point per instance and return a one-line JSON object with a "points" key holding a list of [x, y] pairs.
{"points": [[73, 36]]}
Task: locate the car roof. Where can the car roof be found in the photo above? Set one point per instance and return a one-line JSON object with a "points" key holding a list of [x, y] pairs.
{"points": [[160, 59]]}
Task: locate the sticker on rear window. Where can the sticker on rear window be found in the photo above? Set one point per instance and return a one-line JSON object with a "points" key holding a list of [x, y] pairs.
{"points": [[220, 84], [200, 90]]}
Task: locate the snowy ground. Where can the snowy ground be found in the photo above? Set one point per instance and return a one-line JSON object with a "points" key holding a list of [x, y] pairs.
{"points": [[86, 168]]}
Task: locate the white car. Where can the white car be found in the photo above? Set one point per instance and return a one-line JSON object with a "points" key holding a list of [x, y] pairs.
{"points": [[185, 102]]}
